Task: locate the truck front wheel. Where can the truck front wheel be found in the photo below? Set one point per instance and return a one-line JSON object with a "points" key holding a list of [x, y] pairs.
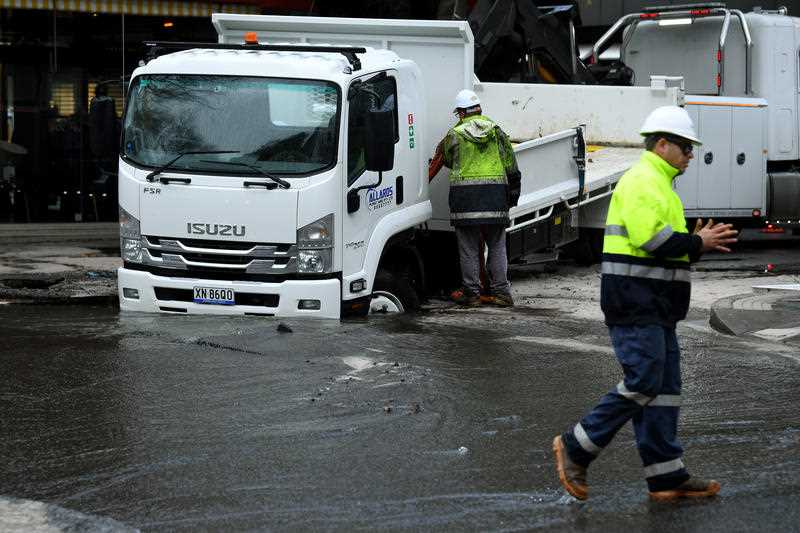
{"points": [[393, 292]]}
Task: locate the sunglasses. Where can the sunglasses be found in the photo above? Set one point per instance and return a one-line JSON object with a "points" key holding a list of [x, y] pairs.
{"points": [[685, 146]]}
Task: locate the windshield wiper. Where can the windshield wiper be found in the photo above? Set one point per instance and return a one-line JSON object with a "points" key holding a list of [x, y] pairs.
{"points": [[162, 168], [282, 182]]}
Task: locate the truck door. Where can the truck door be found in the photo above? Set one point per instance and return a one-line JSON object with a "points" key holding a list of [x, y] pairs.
{"points": [[713, 158], [376, 201]]}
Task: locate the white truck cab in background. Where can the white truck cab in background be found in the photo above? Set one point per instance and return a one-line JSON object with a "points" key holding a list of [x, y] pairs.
{"points": [[289, 177], [742, 78]]}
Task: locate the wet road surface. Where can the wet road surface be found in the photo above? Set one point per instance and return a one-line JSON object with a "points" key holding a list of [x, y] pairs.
{"points": [[441, 421]]}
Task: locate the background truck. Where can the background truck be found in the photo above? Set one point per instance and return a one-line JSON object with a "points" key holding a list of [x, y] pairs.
{"points": [[743, 83], [290, 178]]}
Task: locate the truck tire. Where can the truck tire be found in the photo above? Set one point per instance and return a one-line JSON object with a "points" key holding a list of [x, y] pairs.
{"points": [[393, 292], [358, 308]]}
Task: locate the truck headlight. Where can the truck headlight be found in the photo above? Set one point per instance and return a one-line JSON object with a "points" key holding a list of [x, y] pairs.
{"points": [[130, 237], [315, 247], [314, 261]]}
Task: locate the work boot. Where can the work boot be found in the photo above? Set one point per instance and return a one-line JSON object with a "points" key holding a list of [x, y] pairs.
{"points": [[502, 300], [691, 488], [466, 298], [572, 476]]}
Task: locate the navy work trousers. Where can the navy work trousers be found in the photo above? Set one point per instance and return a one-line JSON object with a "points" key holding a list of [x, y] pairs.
{"points": [[649, 394]]}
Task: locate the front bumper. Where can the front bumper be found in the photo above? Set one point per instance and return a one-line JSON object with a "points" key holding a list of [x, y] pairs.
{"points": [[289, 293]]}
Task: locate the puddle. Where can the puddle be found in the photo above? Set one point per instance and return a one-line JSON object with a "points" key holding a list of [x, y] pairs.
{"points": [[358, 363], [38, 517], [564, 344]]}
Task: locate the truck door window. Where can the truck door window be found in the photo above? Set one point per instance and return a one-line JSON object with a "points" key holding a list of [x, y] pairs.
{"points": [[377, 93]]}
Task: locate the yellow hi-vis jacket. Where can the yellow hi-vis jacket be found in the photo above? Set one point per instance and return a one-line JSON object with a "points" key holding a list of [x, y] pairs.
{"points": [[646, 249], [483, 172]]}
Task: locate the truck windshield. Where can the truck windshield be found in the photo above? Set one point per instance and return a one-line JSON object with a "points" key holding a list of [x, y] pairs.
{"points": [[281, 126]]}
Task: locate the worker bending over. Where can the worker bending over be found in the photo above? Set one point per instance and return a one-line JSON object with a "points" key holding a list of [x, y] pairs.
{"points": [[484, 183], [644, 292]]}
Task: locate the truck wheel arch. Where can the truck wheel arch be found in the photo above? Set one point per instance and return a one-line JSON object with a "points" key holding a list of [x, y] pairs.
{"points": [[397, 228], [402, 258], [399, 282]]}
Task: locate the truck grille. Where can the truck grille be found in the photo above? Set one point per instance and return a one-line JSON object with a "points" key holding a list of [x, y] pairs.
{"points": [[197, 256]]}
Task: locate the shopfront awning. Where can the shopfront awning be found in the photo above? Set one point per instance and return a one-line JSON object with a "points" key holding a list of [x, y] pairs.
{"points": [[167, 8]]}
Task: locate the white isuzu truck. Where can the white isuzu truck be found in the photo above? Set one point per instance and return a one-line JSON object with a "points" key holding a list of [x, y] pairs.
{"points": [[742, 76], [283, 170]]}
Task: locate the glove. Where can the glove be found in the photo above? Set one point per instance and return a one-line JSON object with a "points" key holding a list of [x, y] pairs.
{"points": [[435, 164]]}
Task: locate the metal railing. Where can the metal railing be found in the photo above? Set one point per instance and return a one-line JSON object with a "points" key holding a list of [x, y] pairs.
{"points": [[691, 11]]}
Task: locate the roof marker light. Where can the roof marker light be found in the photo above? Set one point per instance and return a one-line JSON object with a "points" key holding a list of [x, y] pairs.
{"points": [[675, 22], [250, 38]]}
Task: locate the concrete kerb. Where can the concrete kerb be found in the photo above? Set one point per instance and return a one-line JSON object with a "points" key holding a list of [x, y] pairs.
{"points": [[770, 312]]}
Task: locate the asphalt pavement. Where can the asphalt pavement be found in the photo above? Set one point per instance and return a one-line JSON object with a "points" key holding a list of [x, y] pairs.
{"points": [[439, 421]]}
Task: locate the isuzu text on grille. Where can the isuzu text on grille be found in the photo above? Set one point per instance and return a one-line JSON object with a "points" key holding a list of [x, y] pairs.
{"points": [[193, 228]]}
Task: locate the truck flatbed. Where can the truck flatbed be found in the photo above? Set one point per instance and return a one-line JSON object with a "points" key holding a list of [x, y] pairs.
{"points": [[604, 163], [604, 166]]}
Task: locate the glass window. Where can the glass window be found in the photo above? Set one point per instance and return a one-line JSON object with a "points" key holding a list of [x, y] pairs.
{"points": [[378, 93], [280, 126]]}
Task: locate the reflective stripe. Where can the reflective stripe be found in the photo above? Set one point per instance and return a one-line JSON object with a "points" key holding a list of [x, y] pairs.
{"points": [[658, 239], [617, 231], [659, 469], [637, 397], [478, 181], [479, 214], [585, 442], [666, 400], [649, 272]]}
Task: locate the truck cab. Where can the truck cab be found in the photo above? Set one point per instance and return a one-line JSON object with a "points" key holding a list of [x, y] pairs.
{"points": [[255, 179], [742, 82]]}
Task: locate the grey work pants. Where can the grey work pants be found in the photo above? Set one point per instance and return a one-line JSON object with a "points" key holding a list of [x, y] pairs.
{"points": [[471, 254]]}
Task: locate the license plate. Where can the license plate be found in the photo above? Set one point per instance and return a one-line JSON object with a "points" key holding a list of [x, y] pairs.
{"points": [[213, 295]]}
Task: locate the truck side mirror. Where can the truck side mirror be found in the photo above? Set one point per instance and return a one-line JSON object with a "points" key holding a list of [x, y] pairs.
{"points": [[379, 148]]}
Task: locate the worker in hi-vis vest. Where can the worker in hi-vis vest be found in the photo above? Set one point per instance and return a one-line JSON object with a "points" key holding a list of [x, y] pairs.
{"points": [[484, 183], [645, 291]]}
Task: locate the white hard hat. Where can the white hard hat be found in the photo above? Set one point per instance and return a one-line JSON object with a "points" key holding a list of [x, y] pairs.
{"points": [[466, 99], [670, 119]]}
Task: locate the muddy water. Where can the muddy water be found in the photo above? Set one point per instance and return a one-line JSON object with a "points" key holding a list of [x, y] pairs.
{"points": [[439, 421]]}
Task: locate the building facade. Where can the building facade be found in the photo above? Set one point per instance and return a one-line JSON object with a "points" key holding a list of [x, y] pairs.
{"points": [[64, 65]]}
